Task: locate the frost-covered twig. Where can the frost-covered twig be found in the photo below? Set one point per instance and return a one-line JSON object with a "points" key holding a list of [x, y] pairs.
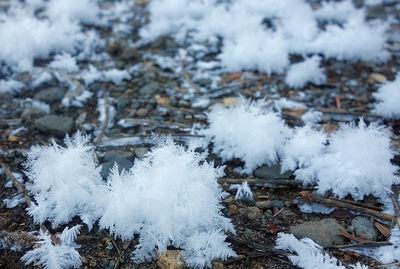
{"points": [[107, 117], [16, 183]]}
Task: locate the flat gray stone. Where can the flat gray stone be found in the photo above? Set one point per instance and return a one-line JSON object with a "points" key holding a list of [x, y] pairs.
{"points": [[272, 172], [50, 95], [55, 125], [325, 232]]}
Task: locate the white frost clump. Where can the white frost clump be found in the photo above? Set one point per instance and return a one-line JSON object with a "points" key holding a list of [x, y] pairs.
{"points": [[248, 131], [64, 63], [56, 256], [356, 162], [65, 182], [170, 197], [305, 145], [299, 74], [309, 253], [388, 96]]}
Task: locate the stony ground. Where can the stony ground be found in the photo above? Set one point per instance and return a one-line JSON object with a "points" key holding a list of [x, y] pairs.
{"points": [[145, 102]]}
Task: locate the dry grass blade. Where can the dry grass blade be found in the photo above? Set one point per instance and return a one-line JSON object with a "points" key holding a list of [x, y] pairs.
{"points": [[189, 80]]}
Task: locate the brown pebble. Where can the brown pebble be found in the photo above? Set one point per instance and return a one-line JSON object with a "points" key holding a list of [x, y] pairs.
{"points": [[171, 259], [14, 139], [142, 112], [233, 209], [163, 101]]}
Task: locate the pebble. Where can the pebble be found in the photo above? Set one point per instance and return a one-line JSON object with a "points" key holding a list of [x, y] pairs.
{"points": [[233, 209], [31, 113], [142, 112], [50, 95], [140, 152], [376, 78], [365, 228], [149, 88], [171, 259], [325, 232], [112, 154], [55, 125], [264, 205], [277, 204], [253, 212], [271, 172]]}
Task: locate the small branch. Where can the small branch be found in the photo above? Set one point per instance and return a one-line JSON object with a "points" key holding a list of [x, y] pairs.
{"points": [[18, 185], [395, 264], [187, 77], [308, 197], [377, 208], [363, 245], [354, 238], [104, 128], [394, 197], [259, 181]]}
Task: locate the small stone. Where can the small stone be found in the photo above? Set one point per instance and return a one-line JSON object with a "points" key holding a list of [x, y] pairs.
{"points": [[55, 125], [163, 101], [14, 139], [140, 152], [30, 113], [288, 204], [50, 95], [272, 172], [248, 233], [364, 228], [253, 213], [264, 205], [278, 204], [376, 78], [142, 112], [171, 259], [149, 88], [325, 232], [233, 209]]}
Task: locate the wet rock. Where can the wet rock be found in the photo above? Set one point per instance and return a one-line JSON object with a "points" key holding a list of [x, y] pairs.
{"points": [[123, 163], [50, 95], [365, 228], [171, 259], [264, 205], [130, 54], [122, 103], [55, 125], [31, 113], [277, 204], [272, 172], [325, 232]]}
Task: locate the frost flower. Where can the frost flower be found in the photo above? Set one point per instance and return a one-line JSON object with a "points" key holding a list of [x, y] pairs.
{"points": [[248, 131], [388, 96], [169, 198], [66, 182], [356, 162]]}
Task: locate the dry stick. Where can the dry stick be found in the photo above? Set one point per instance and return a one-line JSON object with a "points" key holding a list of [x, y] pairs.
{"points": [[354, 238], [308, 197], [187, 77], [377, 208], [18, 185], [363, 245], [396, 206], [256, 181], [388, 265], [104, 128]]}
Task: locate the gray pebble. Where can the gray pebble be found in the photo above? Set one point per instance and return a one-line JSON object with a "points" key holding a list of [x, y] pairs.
{"points": [[55, 125], [272, 172], [364, 227], [325, 232], [50, 95]]}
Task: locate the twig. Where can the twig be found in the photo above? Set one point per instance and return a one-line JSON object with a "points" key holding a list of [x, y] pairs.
{"points": [[260, 248], [187, 77], [308, 197], [394, 197], [120, 254], [395, 264], [104, 128], [258, 181], [363, 245], [280, 211], [354, 238], [18, 185], [377, 208]]}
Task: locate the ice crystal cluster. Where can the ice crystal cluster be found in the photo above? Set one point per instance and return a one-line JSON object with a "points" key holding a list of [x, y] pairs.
{"points": [[168, 198]]}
